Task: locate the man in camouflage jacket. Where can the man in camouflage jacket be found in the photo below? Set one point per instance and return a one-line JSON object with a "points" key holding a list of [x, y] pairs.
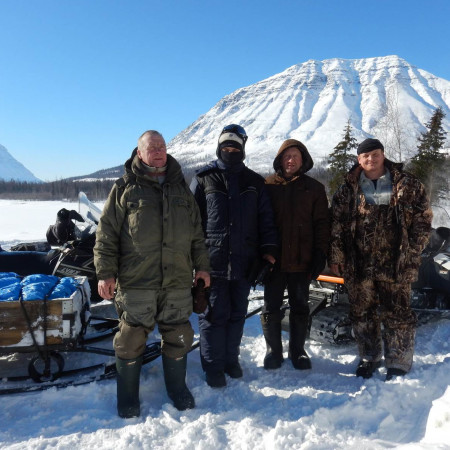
{"points": [[381, 220]]}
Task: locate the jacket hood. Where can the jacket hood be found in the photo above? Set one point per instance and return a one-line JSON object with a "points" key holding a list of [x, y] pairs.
{"points": [[307, 162], [128, 162], [133, 168]]}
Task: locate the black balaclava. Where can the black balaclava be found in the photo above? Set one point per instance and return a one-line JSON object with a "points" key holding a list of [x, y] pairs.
{"points": [[231, 158], [230, 139]]}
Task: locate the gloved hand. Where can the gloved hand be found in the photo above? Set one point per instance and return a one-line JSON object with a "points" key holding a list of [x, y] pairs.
{"points": [[200, 297], [74, 215], [319, 261], [263, 274]]}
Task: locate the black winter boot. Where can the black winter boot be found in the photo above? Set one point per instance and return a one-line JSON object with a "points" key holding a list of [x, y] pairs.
{"points": [[393, 373], [298, 331], [175, 379], [215, 379], [271, 326], [366, 368], [234, 370], [128, 377]]}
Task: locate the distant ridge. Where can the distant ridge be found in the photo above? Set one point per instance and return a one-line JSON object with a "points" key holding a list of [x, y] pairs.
{"points": [[105, 174], [11, 169]]}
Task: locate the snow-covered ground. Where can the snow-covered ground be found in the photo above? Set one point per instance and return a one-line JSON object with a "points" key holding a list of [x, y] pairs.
{"points": [[325, 408]]}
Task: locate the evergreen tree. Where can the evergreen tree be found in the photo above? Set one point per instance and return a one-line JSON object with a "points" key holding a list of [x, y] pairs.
{"points": [[429, 164], [341, 160]]}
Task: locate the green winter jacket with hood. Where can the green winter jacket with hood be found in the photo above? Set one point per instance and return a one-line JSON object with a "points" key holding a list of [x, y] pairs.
{"points": [[150, 235]]}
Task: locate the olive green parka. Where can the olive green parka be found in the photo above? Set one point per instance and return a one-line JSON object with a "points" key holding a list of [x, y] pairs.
{"points": [[150, 235]]}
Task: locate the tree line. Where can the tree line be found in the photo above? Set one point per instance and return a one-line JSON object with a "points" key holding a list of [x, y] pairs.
{"points": [[96, 190], [427, 161]]}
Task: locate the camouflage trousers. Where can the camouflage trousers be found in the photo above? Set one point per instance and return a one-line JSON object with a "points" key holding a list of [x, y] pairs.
{"points": [[381, 314]]}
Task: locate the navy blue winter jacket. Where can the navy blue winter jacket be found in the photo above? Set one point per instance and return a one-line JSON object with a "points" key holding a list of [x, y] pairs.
{"points": [[237, 218]]}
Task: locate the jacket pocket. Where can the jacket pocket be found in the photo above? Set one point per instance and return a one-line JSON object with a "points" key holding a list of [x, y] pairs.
{"points": [[144, 215], [176, 308]]}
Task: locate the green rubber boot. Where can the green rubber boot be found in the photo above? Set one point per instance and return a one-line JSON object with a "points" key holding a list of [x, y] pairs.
{"points": [[128, 377], [175, 379]]}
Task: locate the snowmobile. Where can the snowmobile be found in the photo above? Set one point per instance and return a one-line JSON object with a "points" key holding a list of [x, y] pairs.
{"points": [[68, 251]]}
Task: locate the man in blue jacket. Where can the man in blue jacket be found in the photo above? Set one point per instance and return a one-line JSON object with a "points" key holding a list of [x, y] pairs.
{"points": [[239, 227]]}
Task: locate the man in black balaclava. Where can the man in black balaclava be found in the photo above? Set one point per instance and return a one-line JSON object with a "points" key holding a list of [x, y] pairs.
{"points": [[239, 228]]}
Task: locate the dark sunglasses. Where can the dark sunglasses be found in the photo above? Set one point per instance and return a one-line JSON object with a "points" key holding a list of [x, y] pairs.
{"points": [[237, 129]]}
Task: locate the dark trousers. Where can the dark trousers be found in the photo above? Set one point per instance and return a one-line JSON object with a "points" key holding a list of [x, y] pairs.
{"points": [[297, 284], [222, 325]]}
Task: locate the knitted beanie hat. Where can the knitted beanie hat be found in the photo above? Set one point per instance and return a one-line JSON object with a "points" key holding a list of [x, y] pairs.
{"points": [[368, 145]]}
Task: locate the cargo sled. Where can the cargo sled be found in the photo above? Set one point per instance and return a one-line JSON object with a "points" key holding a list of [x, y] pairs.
{"points": [[57, 341]]}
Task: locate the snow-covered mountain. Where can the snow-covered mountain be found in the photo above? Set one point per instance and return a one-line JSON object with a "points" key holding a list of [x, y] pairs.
{"points": [[384, 97], [11, 169]]}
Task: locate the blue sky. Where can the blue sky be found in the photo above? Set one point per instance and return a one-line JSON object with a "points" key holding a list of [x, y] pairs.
{"points": [[80, 80]]}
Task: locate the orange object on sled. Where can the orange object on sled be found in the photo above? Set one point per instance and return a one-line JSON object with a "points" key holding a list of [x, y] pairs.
{"points": [[330, 279]]}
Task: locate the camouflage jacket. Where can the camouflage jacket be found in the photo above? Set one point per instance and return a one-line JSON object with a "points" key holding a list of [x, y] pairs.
{"points": [[408, 216]]}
